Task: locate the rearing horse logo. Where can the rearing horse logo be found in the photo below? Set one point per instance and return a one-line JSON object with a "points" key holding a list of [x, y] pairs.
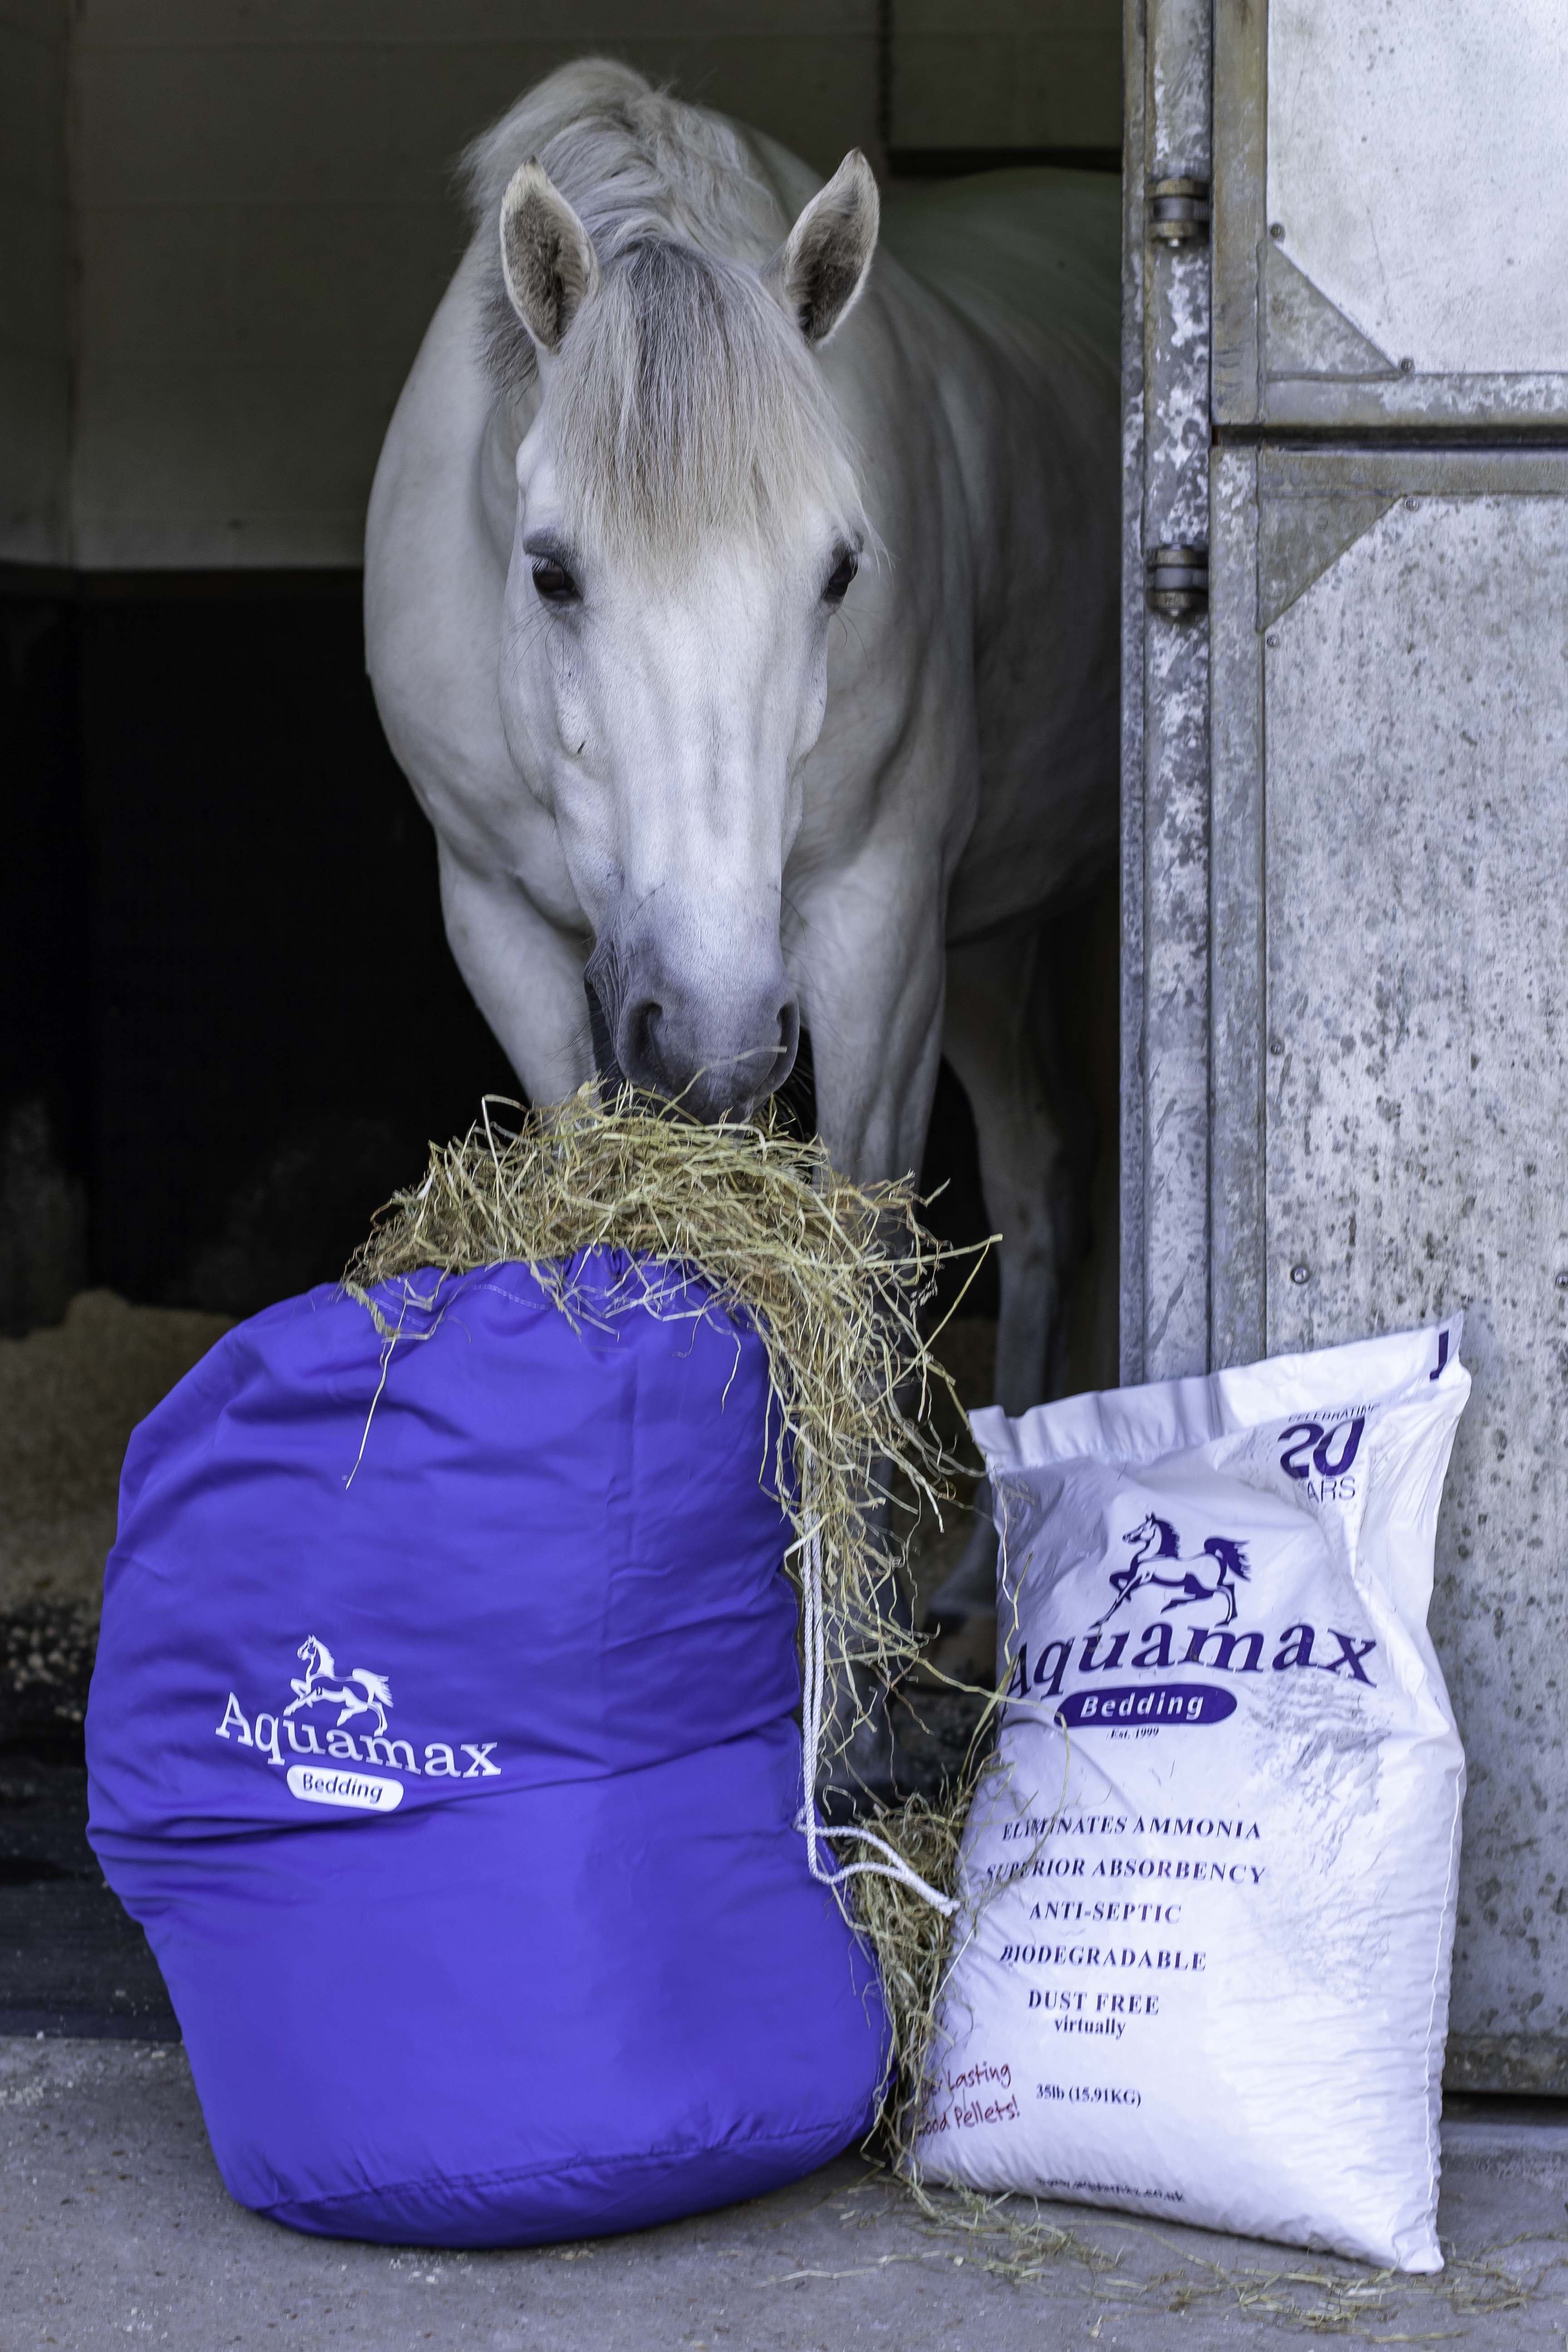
{"points": [[322, 1682], [1155, 1550]]}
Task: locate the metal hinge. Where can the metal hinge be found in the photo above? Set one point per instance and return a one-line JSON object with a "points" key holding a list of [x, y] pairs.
{"points": [[1179, 211], [1178, 581]]}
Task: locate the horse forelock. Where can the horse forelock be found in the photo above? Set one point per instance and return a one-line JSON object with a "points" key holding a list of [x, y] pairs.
{"points": [[685, 408], [684, 403]]}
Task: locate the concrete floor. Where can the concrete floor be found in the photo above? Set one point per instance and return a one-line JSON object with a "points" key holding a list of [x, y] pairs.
{"points": [[113, 2225]]}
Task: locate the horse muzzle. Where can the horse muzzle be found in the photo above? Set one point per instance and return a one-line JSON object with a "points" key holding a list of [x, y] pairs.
{"points": [[719, 1051]]}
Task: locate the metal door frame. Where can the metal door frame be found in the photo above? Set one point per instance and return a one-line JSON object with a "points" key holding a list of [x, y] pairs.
{"points": [[1274, 473], [1390, 392], [1193, 996], [1165, 921], [1273, 529]]}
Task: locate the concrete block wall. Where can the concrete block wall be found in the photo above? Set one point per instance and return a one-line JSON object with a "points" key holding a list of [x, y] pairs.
{"points": [[262, 218], [35, 283], [267, 222], [1014, 74]]}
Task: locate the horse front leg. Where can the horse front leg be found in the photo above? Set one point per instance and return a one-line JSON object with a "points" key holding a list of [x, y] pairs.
{"points": [[866, 955], [990, 1042], [868, 960], [523, 973]]}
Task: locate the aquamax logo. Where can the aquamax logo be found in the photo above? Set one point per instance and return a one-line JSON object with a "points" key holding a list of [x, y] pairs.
{"points": [[334, 1780], [1158, 1561], [1205, 1572]]}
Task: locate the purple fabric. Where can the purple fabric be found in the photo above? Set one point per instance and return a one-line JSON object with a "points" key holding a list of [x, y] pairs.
{"points": [[574, 1976]]}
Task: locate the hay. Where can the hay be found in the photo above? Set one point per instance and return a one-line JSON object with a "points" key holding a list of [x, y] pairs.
{"points": [[916, 1946], [833, 1277], [912, 1942], [1133, 2264]]}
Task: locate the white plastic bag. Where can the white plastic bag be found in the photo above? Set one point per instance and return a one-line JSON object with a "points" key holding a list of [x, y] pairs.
{"points": [[1201, 1966]]}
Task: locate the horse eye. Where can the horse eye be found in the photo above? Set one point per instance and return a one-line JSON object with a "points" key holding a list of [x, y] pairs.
{"points": [[840, 576], [554, 583]]}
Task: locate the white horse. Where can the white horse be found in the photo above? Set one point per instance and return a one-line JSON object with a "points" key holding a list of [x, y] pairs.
{"points": [[744, 618]]}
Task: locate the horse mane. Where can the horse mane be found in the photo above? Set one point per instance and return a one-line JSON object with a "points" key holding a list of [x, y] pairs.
{"points": [[632, 160], [684, 401]]}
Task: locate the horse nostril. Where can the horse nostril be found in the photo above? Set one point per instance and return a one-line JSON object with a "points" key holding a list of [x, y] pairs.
{"points": [[640, 1060]]}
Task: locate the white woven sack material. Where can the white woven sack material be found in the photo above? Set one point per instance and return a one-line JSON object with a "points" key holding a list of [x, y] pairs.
{"points": [[1200, 1967]]}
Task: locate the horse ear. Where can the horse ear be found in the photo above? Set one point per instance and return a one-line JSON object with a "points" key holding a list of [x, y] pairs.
{"points": [[547, 257], [820, 269]]}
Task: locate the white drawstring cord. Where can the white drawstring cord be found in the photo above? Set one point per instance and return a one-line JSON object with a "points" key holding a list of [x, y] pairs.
{"points": [[825, 1871]]}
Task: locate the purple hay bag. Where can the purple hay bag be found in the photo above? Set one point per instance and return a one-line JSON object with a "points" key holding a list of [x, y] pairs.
{"points": [[457, 1801]]}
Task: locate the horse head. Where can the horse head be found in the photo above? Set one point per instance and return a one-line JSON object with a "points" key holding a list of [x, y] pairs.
{"points": [[686, 526], [1148, 1535]]}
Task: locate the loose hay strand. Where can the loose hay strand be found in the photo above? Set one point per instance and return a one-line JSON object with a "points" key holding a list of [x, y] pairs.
{"points": [[832, 1277]]}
